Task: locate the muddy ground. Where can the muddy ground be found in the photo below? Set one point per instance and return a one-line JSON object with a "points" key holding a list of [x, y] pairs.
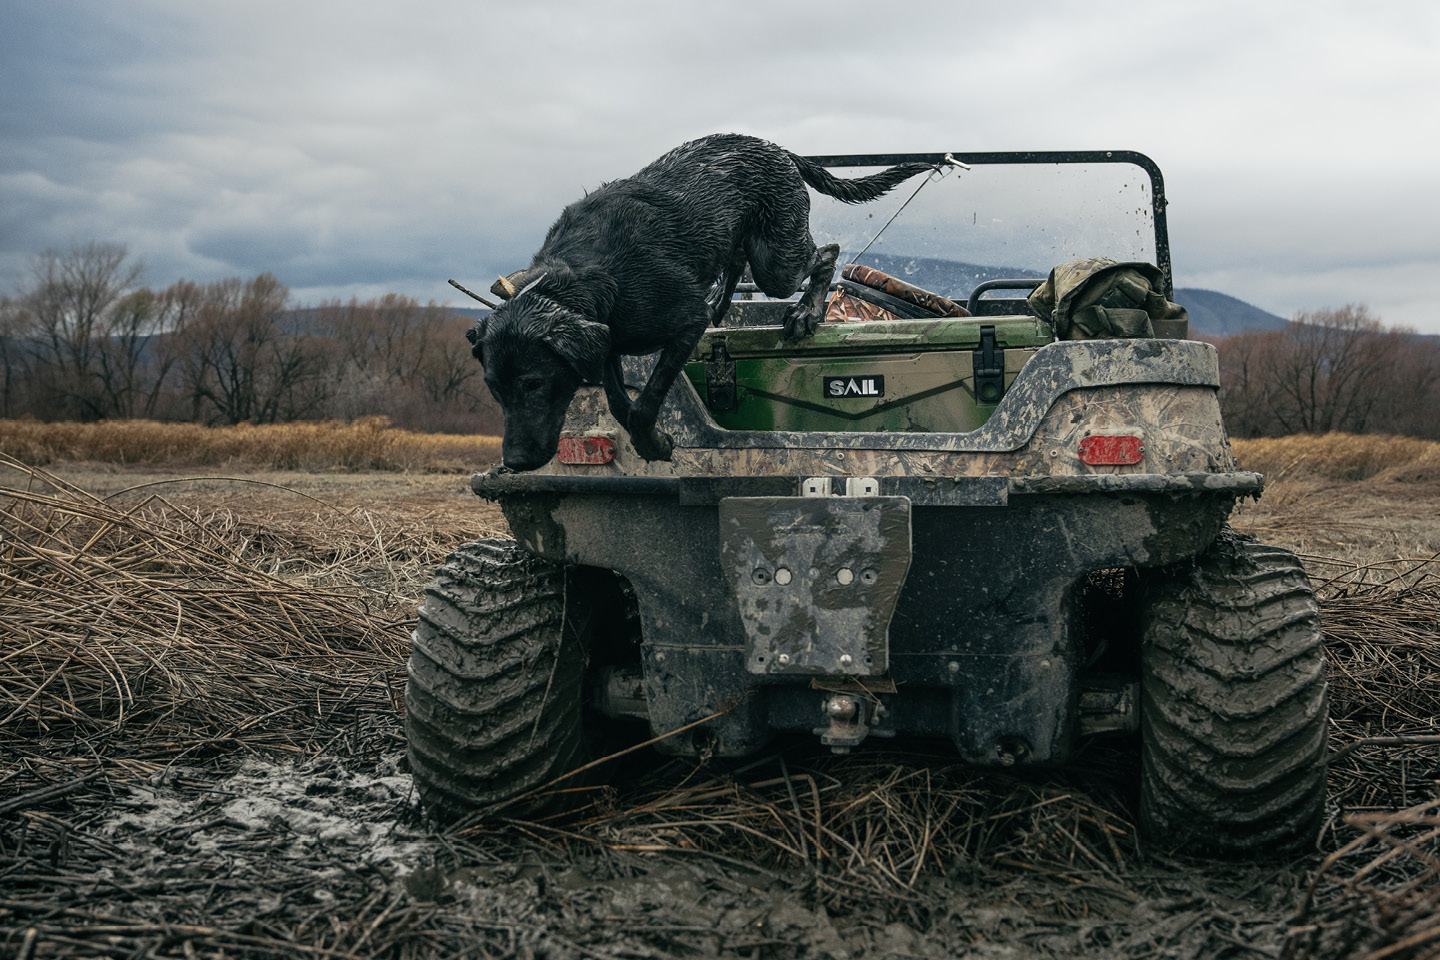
{"points": [[298, 834]]}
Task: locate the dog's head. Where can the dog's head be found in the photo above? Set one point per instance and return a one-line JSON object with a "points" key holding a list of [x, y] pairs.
{"points": [[536, 352]]}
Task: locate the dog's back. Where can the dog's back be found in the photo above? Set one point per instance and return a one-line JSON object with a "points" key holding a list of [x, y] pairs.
{"points": [[689, 207], [637, 259]]}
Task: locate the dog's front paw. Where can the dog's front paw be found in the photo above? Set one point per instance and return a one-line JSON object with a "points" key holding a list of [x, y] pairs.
{"points": [[653, 444], [801, 321]]}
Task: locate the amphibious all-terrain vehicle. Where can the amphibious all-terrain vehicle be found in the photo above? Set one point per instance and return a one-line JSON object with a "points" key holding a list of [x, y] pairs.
{"points": [[1003, 525]]}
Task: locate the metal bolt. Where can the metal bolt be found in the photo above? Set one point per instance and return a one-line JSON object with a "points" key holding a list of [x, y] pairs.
{"points": [[784, 658], [845, 660], [841, 708], [782, 576], [1008, 750], [660, 657], [845, 575], [953, 666]]}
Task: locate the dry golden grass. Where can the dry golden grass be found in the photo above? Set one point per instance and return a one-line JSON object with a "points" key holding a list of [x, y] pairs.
{"points": [[146, 622], [1341, 456], [1344, 500], [369, 443]]}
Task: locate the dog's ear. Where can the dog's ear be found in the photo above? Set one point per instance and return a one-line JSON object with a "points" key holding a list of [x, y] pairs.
{"points": [[589, 289], [584, 344], [475, 334]]}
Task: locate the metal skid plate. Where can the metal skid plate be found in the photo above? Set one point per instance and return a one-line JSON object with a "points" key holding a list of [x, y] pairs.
{"points": [[816, 579]]}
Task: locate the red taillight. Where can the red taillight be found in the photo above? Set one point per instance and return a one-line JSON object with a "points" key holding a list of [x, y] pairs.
{"points": [[1111, 451], [585, 451]]}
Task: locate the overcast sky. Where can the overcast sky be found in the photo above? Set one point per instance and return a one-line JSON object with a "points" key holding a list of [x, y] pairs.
{"points": [[358, 148]]}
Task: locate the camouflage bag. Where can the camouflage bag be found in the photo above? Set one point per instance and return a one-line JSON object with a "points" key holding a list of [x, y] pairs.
{"points": [[1101, 299]]}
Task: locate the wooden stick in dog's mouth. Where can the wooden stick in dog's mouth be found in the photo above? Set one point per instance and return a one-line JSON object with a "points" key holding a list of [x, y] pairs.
{"points": [[474, 296]]}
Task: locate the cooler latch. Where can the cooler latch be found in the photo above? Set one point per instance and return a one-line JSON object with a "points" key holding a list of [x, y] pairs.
{"points": [[719, 379], [989, 365]]}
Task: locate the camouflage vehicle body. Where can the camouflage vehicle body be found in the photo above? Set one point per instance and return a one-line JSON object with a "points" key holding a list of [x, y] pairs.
{"points": [[1000, 548], [976, 619]]}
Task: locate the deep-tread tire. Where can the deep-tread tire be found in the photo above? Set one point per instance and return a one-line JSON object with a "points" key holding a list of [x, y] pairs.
{"points": [[494, 689], [1234, 713]]}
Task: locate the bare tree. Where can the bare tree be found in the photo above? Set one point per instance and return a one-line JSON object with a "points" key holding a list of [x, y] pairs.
{"points": [[239, 362], [405, 360], [138, 357], [1410, 397], [1330, 373], [1336, 369], [14, 367], [67, 309], [445, 370]]}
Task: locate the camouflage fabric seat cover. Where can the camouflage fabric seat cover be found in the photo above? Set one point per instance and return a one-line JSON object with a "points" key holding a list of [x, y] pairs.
{"points": [[1100, 299], [845, 307], [852, 303]]}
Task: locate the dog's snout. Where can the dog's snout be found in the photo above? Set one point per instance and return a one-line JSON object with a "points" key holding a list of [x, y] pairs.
{"points": [[521, 460]]}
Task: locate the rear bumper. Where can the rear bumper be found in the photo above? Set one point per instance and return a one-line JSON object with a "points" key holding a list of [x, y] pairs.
{"points": [[922, 491]]}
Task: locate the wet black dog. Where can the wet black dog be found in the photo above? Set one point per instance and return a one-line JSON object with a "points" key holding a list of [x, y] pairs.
{"points": [[627, 271]]}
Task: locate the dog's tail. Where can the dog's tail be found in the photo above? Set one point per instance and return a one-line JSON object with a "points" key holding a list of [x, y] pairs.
{"points": [[860, 189]]}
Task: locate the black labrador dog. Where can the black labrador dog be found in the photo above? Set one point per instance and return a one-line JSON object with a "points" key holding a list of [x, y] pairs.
{"points": [[628, 270]]}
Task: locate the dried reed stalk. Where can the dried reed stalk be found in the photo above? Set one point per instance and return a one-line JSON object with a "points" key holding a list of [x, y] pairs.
{"points": [[874, 825], [1382, 638], [1377, 897], [143, 627]]}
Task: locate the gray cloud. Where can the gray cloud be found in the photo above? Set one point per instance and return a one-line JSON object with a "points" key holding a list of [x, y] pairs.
{"points": [[355, 148]]}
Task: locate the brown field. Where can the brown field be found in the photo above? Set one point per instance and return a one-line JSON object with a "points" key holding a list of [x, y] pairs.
{"points": [[366, 444], [201, 756], [1341, 500]]}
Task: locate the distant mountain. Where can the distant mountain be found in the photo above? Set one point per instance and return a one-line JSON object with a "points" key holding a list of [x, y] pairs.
{"points": [[1221, 315]]}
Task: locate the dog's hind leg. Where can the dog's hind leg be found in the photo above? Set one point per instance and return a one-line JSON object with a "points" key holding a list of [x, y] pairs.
{"points": [[782, 254], [783, 279], [802, 319]]}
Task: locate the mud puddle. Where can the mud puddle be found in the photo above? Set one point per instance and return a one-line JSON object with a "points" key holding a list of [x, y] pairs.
{"points": [[332, 858]]}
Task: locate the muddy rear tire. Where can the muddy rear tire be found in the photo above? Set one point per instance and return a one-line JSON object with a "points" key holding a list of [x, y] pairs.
{"points": [[1233, 703], [493, 701]]}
